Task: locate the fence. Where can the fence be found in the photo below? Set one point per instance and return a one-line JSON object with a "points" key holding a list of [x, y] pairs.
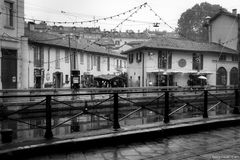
{"points": [[167, 102]]}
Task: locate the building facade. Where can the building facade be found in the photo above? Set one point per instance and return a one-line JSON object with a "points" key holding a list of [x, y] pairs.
{"points": [[61, 61], [223, 29], [11, 36], [177, 62]]}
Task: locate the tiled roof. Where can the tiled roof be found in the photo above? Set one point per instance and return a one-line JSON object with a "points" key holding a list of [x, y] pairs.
{"points": [[223, 13], [182, 45], [63, 41]]}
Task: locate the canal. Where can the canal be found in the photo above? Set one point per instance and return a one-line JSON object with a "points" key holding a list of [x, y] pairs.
{"points": [[82, 113]]}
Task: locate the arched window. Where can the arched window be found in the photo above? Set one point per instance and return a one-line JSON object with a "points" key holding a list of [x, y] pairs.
{"points": [[221, 76], [234, 76]]}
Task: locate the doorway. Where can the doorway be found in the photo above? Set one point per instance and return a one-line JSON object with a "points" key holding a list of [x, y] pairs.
{"points": [[9, 69], [58, 79]]}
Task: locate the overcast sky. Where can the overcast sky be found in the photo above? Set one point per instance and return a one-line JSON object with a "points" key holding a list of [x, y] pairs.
{"points": [[80, 10]]}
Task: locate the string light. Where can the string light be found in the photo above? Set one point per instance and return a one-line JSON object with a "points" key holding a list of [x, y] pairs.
{"points": [[90, 21]]}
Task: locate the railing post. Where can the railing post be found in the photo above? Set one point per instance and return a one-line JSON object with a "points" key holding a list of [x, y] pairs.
{"points": [[48, 133], [235, 109], [116, 125], [166, 109], [205, 105]]}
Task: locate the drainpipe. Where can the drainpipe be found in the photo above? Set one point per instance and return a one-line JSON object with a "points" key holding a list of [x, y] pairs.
{"points": [[143, 65], [238, 49]]}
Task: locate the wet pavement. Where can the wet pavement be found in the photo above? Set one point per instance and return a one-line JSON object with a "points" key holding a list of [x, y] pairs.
{"points": [[222, 143]]}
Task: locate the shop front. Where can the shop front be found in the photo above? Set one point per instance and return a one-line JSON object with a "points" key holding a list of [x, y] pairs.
{"points": [[160, 79]]}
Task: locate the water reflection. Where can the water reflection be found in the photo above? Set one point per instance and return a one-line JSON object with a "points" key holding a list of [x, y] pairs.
{"points": [[88, 122]]}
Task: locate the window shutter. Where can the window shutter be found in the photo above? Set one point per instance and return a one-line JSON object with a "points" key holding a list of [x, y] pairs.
{"points": [[139, 57], [169, 60], [130, 58], [159, 59], [98, 63], [201, 62], [42, 56], [35, 50]]}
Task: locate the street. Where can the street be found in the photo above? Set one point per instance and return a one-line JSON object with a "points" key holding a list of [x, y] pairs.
{"points": [[216, 144]]}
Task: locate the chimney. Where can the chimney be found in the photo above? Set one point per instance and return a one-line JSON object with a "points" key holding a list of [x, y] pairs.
{"points": [[31, 26], [234, 11]]}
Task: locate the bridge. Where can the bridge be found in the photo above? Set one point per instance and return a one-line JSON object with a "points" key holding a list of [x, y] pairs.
{"points": [[140, 124]]}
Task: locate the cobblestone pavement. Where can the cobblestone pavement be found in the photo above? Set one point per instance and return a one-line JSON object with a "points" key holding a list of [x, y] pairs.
{"points": [[223, 143]]}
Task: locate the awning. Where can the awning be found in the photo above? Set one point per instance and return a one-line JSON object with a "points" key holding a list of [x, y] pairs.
{"points": [[205, 72], [190, 72], [198, 73], [107, 77], [164, 72]]}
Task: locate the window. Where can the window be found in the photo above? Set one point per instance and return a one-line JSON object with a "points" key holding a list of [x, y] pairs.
{"points": [[117, 63], [38, 56], [197, 61], [138, 57], [81, 58], [130, 58], [92, 61], [88, 62], [76, 60], [66, 79], [234, 58], [66, 56], [57, 64], [98, 63], [9, 13], [108, 63], [117, 42], [234, 76], [138, 81], [222, 57], [162, 60], [221, 76], [169, 60], [121, 64]]}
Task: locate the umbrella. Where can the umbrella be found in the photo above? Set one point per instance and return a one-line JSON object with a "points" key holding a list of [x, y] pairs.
{"points": [[202, 77]]}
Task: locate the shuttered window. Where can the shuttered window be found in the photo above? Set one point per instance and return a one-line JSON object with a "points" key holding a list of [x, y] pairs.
{"points": [[197, 61], [108, 63], [38, 56], [98, 63], [57, 61], [8, 14]]}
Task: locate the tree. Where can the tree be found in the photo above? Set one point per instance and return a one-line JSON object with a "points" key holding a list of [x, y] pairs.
{"points": [[191, 22]]}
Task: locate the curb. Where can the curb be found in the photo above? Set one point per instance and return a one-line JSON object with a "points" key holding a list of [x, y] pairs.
{"points": [[116, 138]]}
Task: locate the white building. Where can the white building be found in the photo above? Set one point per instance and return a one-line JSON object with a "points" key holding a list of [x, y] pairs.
{"points": [[11, 36], [170, 61], [55, 59]]}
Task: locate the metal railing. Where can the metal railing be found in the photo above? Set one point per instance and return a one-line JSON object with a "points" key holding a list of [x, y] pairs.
{"points": [[165, 95]]}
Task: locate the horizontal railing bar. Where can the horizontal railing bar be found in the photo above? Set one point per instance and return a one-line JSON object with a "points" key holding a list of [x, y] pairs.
{"points": [[119, 90]]}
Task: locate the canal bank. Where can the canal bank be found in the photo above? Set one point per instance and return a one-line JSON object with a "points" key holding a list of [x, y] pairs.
{"points": [[108, 137]]}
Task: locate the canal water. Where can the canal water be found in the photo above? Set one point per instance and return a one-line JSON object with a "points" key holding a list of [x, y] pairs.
{"points": [[84, 123], [143, 111]]}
